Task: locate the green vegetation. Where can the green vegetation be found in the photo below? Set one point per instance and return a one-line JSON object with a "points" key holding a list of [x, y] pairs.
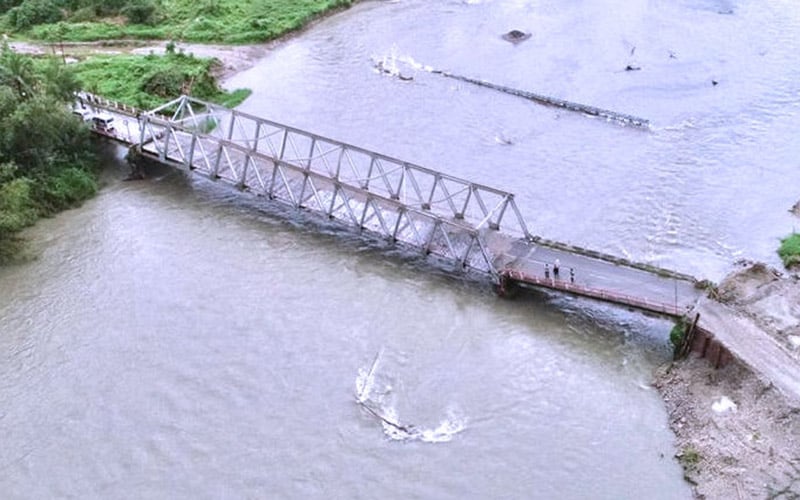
{"points": [[677, 337], [45, 159], [689, 458], [148, 81], [227, 21], [789, 250], [45, 164]]}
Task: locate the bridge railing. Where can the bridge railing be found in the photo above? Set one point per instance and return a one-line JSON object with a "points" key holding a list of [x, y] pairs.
{"points": [[672, 310], [87, 98]]}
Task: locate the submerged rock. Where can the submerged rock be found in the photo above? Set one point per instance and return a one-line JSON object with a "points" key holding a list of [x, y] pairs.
{"points": [[796, 208], [516, 36]]}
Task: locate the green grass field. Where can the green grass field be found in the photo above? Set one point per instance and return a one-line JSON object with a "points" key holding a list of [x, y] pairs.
{"points": [[148, 81], [221, 21]]}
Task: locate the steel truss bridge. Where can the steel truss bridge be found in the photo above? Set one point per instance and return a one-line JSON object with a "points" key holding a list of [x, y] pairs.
{"points": [[467, 226]]}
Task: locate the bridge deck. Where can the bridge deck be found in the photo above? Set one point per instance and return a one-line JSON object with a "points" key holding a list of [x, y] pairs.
{"points": [[531, 265]]}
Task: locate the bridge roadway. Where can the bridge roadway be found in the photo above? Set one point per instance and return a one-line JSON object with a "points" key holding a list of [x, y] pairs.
{"points": [[528, 264], [239, 152]]}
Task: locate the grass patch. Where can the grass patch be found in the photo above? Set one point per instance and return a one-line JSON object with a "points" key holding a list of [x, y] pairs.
{"points": [[789, 250], [148, 81], [226, 21], [234, 98]]}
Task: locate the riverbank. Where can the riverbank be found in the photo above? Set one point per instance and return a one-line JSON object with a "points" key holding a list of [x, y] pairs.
{"points": [[46, 162], [221, 21], [737, 433], [231, 59]]}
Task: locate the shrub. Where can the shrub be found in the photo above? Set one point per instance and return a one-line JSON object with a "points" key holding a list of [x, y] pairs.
{"points": [[6, 5], [16, 206], [32, 12], [689, 458], [789, 250], [677, 336], [141, 13], [167, 83], [67, 187]]}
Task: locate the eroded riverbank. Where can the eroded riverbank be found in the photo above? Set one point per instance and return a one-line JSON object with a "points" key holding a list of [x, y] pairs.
{"points": [[738, 434], [744, 451]]}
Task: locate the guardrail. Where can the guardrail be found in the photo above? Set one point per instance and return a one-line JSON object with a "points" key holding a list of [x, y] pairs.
{"points": [[595, 293]]}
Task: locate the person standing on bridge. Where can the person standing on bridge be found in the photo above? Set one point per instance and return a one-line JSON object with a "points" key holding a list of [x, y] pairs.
{"points": [[555, 268]]}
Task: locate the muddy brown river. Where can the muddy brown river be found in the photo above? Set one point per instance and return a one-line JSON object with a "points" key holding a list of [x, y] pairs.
{"points": [[174, 339]]}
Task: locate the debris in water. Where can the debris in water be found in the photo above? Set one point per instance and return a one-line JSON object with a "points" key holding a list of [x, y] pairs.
{"points": [[516, 36], [372, 402]]}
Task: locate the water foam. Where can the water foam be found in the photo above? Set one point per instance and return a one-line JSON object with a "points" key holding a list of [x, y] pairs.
{"points": [[374, 397]]}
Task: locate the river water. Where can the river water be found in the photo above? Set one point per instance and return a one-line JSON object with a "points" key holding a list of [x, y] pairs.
{"points": [[174, 340]]}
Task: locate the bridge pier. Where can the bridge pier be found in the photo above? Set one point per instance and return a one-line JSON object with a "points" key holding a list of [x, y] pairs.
{"points": [[506, 287], [136, 163]]}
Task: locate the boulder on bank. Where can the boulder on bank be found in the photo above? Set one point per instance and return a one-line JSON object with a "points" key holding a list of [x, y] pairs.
{"points": [[516, 36]]}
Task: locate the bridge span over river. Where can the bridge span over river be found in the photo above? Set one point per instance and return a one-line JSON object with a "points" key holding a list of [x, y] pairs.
{"points": [[465, 226]]}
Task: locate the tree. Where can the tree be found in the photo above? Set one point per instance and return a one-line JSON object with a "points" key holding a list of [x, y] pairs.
{"points": [[16, 71], [58, 80]]}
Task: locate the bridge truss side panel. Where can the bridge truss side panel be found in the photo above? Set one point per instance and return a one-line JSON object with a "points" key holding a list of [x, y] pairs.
{"points": [[313, 185], [413, 185]]}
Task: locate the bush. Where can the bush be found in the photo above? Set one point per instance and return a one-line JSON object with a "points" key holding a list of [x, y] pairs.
{"points": [[789, 250], [41, 132], [16, 207], [140, 13], [32, 12], [167, 83], [677, 336], [67, 187], [6, 5]]}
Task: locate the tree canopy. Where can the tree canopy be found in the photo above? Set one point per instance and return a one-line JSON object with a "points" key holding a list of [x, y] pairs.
{"points": [[44, 149]]}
